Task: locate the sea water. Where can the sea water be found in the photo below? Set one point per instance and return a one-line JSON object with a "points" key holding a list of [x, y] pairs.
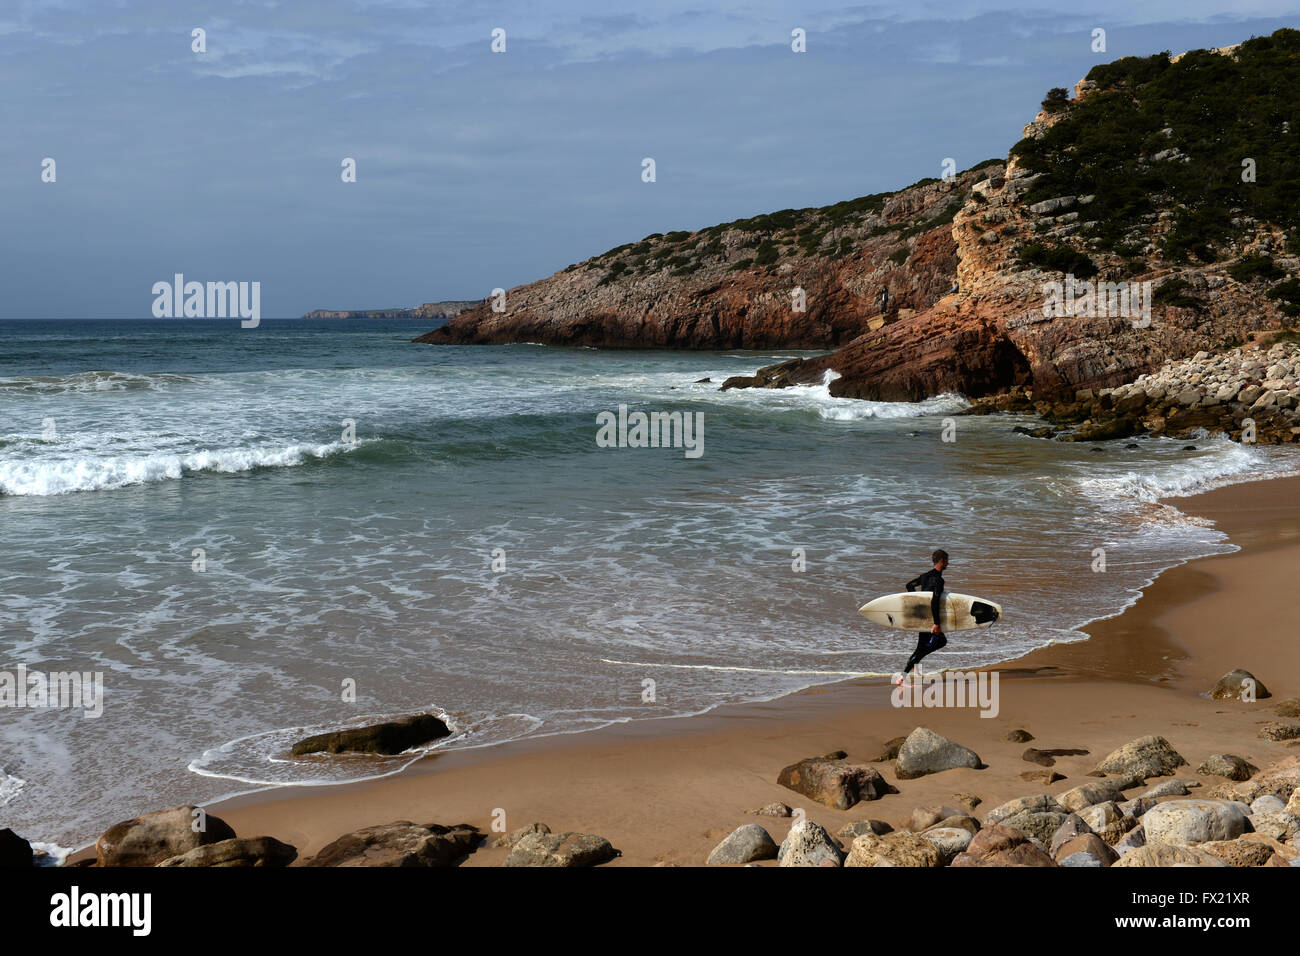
{"points": [[257, 534]]}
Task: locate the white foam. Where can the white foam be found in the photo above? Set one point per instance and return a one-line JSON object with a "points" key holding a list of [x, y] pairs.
{"points": [[1218, 463], [10, 786], [63, 475]]}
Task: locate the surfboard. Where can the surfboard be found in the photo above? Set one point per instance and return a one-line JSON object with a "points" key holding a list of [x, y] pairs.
{"points": [[910, 611]]}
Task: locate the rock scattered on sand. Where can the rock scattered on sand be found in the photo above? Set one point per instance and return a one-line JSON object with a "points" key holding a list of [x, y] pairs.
{"points": [[833, 782], [150, 838], [808, 844], [1194, 820], [899, 849], [1002, 846], [772, 810], [949, 841], [1239, 685], [891, 750], [390, 737], [401, 843], [1018, 736], [1047, 758], [1146, 756], [241, 851], [1227, 765], [923, 817], [1041, 776], [851, 831], [1089, 794], [1034, 803], [1161, 854], [1039, 825], [1090, 844], [1280, 779], [925, 752], [1288, 708], [744, 845], [510, 839], [560, 849], [1280, 730]]}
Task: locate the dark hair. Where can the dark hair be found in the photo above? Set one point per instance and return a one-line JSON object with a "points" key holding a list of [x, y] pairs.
{"points": [[940, 555]]}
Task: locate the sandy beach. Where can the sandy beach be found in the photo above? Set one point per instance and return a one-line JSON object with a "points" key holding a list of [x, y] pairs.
{"points": [[667, 791]]}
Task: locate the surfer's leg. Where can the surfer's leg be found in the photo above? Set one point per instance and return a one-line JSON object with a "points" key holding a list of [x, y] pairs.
{"points": [[921, 641], [928, 645]]}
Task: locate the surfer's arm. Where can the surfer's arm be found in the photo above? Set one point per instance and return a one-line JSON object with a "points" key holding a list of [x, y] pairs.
{"points": [[935, 600], [913, 584]]}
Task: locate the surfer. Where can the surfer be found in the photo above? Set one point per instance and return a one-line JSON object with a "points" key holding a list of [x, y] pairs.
{"points": [[928, 641]]}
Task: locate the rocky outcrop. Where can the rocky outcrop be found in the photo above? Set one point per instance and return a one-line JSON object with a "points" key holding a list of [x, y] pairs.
{"points": [[390, 737], [429, 310], [736, 285], [15, 852]]}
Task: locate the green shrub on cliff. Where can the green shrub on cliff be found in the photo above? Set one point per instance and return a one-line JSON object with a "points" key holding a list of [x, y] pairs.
{"points": [[1209, 117], [1058, 258], [1255, 267]]}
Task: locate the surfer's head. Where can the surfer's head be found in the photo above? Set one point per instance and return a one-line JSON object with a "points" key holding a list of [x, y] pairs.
{"points": [[940, 559]]}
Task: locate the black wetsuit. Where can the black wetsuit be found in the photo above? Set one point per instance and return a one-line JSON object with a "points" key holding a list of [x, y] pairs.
{"points": [[928, 643]]}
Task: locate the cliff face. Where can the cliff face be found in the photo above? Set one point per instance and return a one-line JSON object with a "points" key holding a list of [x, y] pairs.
{"points": [[731, 286]]}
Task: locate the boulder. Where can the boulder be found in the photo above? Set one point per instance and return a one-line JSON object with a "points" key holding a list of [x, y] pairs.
{"points": [[923, 817], [808, 844], [1146, 756], [1238, 852], [513, 838], [1080, 859], [1194, 821], [834, 783], [560, 849], [1089, 794], [1072, 826], [1227, 765], [1018, 736], [1280, 779], [401, 843], [149, 839], [241, 851], [1161, 854], [925, 752], [1171, 788], [1238, 685], [1089, 843], [773, 810], [1280, 730], [1107, 821], [391, 737], [851, 831], [1002, 846], [1035, 803], [899, 849], [15, 852], [949, 841], [1039, 825], [744, 845], [1278, 824], [1132, 840]]}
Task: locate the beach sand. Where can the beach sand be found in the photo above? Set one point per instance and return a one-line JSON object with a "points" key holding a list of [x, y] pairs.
{"points": [[668, 790]]}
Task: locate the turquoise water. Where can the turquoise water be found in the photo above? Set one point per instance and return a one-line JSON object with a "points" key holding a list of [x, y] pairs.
{"points": [[126, 446]]}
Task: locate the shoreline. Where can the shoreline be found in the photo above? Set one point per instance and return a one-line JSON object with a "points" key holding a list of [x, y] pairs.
{"points": [[665, 791]]}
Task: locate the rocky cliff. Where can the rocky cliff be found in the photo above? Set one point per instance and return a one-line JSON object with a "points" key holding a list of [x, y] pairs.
{"points": [[429, 310], [1135, 183], [1152, 215], [735, 285]]}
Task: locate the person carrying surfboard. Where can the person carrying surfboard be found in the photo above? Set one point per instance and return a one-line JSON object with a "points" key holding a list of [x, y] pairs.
{"points": [[932, 640]]}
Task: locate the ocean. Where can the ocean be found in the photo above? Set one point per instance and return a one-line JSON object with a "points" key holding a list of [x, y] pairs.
{"points": [[243, 529]]}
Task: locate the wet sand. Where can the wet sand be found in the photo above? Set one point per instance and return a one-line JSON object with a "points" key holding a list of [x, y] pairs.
{"points": [[667, 791]]}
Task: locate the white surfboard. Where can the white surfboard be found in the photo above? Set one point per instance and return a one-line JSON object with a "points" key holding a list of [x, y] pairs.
{"points": [[910, 611]]}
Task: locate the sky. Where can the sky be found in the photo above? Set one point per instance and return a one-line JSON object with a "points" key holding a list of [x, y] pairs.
{"points": [[478, 169]]}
